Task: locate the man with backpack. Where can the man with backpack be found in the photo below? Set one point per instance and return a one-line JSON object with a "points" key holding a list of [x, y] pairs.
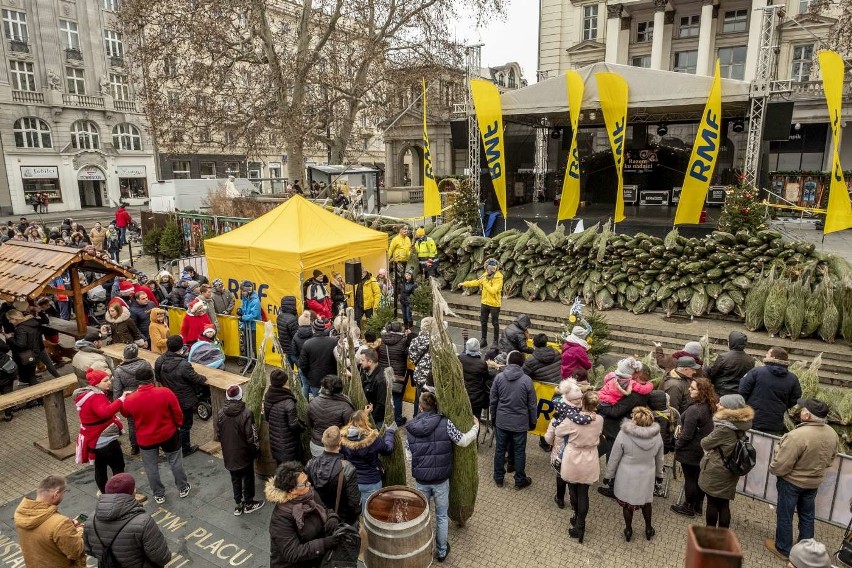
{"points": [[800, 461], [121, 533], [335, 479]]}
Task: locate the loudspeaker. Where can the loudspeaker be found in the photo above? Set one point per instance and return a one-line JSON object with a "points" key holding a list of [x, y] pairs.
{"points": [[458, 131], [776, 122], [353, 272]]}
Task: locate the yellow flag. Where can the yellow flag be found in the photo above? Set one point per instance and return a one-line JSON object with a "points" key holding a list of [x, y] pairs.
{"points": [[702, 162], [571, 184], [431, 197], [489, 116], [612, 92], [839, 213]]}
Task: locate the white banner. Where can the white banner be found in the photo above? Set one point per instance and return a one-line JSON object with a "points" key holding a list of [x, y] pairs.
{"points": [[39, 172]]}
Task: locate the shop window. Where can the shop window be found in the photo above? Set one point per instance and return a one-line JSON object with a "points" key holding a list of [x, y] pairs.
{"points": [[689, 26], [126, 137], [85, 135], [735, 21], [181, 169], [32, 132], [732, 62], [207, 170], [40, 182], [133, 188]]}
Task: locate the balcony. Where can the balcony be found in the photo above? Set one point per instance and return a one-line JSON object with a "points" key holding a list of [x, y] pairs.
{"points": [[72, 54], [808, 89], [124, 106], [19, 46], [28, 97], [116, 61], [82, 101]]}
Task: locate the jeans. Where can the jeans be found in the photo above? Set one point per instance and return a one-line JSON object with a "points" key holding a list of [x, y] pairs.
{"points": [[494, 313], [407, 314], [122, 235], [293, 361], [109, 456], [185, 428], [242, 482], [65, 310], [397, 407], [150, 455], [518, 442], [307, 390], [441, 492], [578, 493], [793, 498], [366, 490]]}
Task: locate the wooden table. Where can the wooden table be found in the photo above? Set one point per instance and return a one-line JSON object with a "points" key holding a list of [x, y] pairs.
{"points": [[66, 327], [52, 393]]}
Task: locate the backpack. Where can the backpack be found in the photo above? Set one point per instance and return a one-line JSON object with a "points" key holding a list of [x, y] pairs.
{"points": [[108, 559], [742, 458]]}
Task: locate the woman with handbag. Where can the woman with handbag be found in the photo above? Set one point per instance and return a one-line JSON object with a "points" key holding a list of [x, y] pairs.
{"points": [[26, 344]]}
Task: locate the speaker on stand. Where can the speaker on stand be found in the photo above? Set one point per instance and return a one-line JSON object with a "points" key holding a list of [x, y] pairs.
{"points": [[352, 272]]}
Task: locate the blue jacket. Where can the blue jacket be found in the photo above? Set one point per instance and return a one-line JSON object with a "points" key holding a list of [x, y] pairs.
{"points": [[251, 308], [362, 449], [770, 390], [513, 400], [431, 448]]}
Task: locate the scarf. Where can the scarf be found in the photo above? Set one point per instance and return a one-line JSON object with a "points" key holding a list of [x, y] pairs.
{"points": [[274, 395], [304, 505], [581, 342]]}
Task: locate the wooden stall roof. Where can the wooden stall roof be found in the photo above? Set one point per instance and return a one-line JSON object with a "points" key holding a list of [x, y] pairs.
{"points": [[26, 269]]}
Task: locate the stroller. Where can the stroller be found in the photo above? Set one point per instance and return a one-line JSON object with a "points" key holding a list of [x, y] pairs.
{"points": [[204, 408], [95, 302]]}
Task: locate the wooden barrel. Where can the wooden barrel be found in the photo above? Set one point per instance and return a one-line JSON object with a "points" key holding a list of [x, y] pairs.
{"points": [[399, 529]]}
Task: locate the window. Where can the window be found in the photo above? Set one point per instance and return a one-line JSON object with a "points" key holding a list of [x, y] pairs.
{"points": [[180, 169], [204, 135], [126, 137], [803, 56], [500, 80], [689, 26], [112, 5], [229, 138], [732, 62], [68, 34], [75, 80], [32, 132], [804, 6], [207, 170], [118, 87], [644, 32], [15, 26], [685, 61], [512, 80], [23, 76], [590, 21], [233, 169], [641, 61], [84, 135], [112, 44], [735, 21]]}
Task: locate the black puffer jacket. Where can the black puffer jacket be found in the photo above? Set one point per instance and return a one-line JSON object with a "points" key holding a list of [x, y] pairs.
{"points": [[317, 360], [140, 544], [695, 423], [328, 410], [279, 410], [27, 337], [729, 368], [176, 373], [514, 338], [237, 433], [324, 473], [303, 333], [375, 390], [396, 345], [544, 365], [287, 323], [476, 379]]}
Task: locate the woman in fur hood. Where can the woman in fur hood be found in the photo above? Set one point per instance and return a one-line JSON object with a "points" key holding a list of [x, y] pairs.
{"points": [[730, 422], [361, 445], [123, 328]]}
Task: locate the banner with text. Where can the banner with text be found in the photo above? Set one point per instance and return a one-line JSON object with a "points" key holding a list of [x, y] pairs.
{"points": [[612, 91], [489, 117], [702, 162], [839, 213], [571, 184], [431, 197]]}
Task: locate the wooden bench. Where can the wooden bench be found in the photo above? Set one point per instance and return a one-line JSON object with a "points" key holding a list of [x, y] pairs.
{"points": [[52, 393], [67, 327]]}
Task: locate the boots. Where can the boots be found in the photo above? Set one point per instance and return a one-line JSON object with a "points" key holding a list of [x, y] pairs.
{"points": [[684, 509]]}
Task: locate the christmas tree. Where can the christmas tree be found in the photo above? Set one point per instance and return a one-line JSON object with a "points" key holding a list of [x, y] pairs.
{"points": [[466, 207], [743, 209]]}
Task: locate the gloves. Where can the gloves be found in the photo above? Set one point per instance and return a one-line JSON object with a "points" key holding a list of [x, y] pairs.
{"points": [[331, 525], [340, 531], [239, 312], [392, 427], [330, 542]]}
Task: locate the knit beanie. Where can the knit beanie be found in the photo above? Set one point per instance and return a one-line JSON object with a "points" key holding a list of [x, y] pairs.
{"points": [[234, 392], [131, 351], [580, 331], [693, 348], [277, 378], [472, 347], [657, 400], [732, 401], [120, 483], [809, 553], [626, 367], [95, 376], [174, 343], [320, 325], [305, 318]]}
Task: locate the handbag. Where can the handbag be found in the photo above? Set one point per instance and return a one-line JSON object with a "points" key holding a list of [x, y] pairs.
{"points": [[844, 555], [7, 365], [27, 357]]}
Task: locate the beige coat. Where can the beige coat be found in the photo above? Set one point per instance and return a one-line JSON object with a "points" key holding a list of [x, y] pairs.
{"points": [[803, 455], [47, 538], [98, 238], [580, 460]]}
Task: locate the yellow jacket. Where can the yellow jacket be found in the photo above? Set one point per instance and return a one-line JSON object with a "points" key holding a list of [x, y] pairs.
{"points": [[426, 248], [372, 294], [48, 538], [492, 288], [399, 249]]}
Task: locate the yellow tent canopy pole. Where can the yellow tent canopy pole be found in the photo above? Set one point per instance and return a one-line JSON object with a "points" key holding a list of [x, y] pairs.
{"points": [[795, 208]]}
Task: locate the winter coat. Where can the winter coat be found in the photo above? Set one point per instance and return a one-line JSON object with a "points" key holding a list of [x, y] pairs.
{"points": [[677, 387], [476, 378], [695, 423], [156, 414], [362, 449], [613, 415], [224, 301], [173, 371], [279, 411], [159, 332], [88, 357], [328, 410], [98, 237], [176, 298], [192, 327], [492, 288], [289, 545], [46, 537], [580, 460], [138, 544], [324, 472], [287, 323], [316, 359], [729, 368], [407, 288], [141, 316], [303, 333], [544, 365], [771, 391], [236, 431], [730, 425], [431, 448], [338, 299], [400, 248], [574, 356], [122, 218], [803, 455], [123, 328], [370, 293], [250, 305], [513, 400], [669, 362], [375, 390], [124, 376], [418, 352], [636, 460], [396, 349], [514, 336], [27, 337], [97, 417]]}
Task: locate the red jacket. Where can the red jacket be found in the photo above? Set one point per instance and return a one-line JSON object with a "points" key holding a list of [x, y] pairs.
{"points": [[148, 292], [97, 413], [192, 327], [574, 356], [155, 412], [122, 218]]}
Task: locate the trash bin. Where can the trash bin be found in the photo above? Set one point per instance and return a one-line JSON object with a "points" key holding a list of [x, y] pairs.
{"points": [[708, 547]]}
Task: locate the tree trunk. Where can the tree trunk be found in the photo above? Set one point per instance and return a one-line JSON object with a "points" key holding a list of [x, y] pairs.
{"points": [[295, 162]]}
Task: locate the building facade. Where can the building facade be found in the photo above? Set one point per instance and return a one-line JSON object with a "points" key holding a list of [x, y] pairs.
{"points": [[72, 134]]}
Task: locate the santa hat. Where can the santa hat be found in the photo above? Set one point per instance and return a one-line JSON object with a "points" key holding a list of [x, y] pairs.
{"points": [[209, 330], [196, 306], [125, 287], [95, 376]]}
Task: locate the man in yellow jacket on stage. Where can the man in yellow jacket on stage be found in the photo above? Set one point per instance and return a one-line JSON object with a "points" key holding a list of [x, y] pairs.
{"points": [[492, 297], [400, 247], [427, 253]]}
